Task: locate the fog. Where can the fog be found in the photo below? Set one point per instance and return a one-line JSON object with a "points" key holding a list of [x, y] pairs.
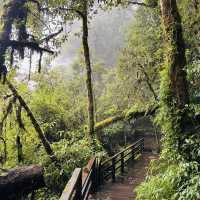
{"points": [[107, 31], [106, 37]]}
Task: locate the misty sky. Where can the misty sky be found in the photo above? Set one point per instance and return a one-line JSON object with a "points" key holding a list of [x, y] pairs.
{"points": [[104, 26], [106, 38]]}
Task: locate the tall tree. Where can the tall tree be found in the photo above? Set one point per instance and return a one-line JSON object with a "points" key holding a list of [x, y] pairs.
{"points": [[176, 117], [81, 8], [176, 59], [88, 69]]}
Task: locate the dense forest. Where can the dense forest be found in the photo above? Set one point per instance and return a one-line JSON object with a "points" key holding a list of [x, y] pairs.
{"points": [[75, 77]]}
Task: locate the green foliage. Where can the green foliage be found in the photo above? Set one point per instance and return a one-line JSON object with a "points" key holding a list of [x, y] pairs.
{"points": [[59, 105], [113, 137], [58, 100], [71, 155], [151, 2], [178, 181], [143, 52], [177, 173], [161, 186]]}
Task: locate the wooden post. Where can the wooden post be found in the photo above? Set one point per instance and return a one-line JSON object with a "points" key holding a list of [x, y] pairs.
{"points": [[94, 177], [133, 153], [99, 175], [113, 169], [142, 145], [122, 162], [101, 179], [78, 195]]}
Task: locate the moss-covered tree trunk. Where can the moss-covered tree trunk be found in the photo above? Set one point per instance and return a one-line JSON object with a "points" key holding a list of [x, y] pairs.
{"points": [[176, 59], [9, 12], [88, 71], [174, 96]]}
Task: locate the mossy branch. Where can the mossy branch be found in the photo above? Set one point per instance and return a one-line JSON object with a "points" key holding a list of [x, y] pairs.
{"points": [[36, 125], [125, 116]]}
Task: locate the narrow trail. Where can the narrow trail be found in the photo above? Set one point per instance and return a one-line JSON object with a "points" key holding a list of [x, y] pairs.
{"points": [[123, 188]]}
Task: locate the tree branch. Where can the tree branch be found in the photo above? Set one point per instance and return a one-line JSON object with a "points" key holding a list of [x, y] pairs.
{"points": [[37, 17], [142, 4], [149, 82], [31, 45], [135, 115], [36, 125], [81, 14], [49, 37]]}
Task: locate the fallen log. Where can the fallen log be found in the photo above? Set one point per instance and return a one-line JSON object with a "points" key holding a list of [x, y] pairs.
{"points": [[20, 181], [131, 115]]}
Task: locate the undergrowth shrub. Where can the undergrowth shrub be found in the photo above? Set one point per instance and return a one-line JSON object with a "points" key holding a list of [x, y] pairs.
{"points": [[161, 186]]}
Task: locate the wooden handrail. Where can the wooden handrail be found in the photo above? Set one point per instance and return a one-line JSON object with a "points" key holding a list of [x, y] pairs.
{"points": [[73, 187], [87, 170], [89, 182], [110, 167], [127, 148], [80, 186]]}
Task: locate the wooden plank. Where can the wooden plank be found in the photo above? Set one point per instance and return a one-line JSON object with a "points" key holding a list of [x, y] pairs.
{"points": [[72, 184]]}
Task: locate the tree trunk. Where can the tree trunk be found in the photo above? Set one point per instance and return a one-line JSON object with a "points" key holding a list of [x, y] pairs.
{"points": [[39, 131], [89, 71], [177, 121], [6, 27], [3, 155], [20, 181], [19, 150], [176, 59], [10, 12]]}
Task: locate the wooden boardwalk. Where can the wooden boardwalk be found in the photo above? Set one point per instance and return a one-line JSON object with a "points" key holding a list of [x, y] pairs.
{"points": [[123, 188]]}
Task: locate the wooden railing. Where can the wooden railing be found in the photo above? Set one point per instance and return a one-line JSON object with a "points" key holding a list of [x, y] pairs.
{"points": [[109, 168], [81, 184], [74, 186]]}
